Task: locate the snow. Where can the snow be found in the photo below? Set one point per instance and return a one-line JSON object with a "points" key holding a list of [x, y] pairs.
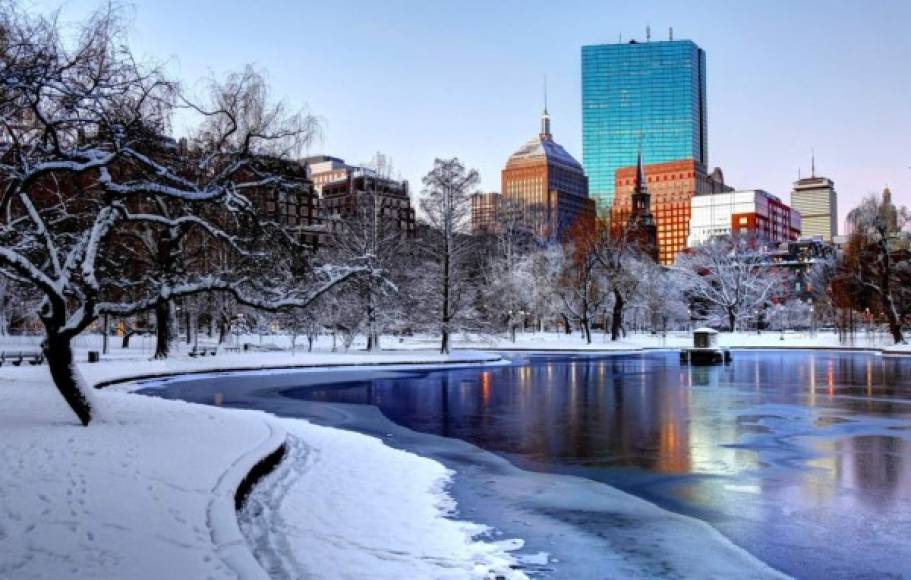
{"points": [[395, 531], [147, 490], [768, 339]]}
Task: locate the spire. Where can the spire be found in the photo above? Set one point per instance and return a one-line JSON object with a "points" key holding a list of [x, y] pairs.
{"points": [[545, 118], [640, 185]]}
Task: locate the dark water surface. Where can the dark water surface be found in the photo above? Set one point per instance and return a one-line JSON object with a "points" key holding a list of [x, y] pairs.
{"points": [[802, 458]]}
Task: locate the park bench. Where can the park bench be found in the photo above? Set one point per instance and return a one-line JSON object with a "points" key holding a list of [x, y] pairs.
{"points": [[231, 349], [17, 358], [203, 351]]}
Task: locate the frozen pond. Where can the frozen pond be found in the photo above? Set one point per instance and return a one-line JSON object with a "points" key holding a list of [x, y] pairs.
{"points": [[801, 458]]}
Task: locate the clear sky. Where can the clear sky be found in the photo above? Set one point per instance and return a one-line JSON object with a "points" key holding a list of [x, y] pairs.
{"points": [[418, 79]]}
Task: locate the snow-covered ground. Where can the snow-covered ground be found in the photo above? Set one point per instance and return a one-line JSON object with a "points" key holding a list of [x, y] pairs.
{"points": [[545, 341], [147, 491]]}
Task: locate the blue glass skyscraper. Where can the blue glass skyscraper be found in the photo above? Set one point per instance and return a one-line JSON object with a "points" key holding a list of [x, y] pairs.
{"points": [[648, 92]]}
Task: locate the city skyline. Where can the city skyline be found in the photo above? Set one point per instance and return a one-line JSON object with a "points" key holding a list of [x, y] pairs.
{"points": [[480, 90]]}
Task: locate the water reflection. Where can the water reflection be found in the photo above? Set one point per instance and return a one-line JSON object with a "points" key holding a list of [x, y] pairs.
{"points": [[786, 453]]}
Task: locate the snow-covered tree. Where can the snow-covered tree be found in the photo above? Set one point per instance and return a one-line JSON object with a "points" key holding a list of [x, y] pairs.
{"points": [[540, 270], [660, 294], [729, 278], [447, 207], [507, 281], [876, 268], [83, 157], [582, 287], [369, 231]]}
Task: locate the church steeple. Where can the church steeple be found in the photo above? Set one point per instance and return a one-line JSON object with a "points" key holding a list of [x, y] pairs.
{"points": [[643, 230], [641, 187]]}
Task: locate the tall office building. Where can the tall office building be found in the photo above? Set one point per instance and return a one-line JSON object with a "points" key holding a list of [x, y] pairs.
{"points": [[648, 92], [815, 198], [549, 185]]}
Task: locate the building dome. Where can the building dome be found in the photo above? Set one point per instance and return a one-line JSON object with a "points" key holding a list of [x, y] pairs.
{"points": [[544, 148], [541, 148]]}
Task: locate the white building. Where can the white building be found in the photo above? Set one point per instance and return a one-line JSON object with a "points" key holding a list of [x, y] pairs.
{"points": [[752, 211]]}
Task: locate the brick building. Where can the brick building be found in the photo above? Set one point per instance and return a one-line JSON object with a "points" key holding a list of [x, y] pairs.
{"points": [[340, 199], [672, 186], [548, 183], [485, 212]]}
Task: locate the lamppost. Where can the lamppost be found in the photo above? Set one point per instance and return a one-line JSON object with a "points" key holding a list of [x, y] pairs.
{"points": [[812, 320], [758, 322]]}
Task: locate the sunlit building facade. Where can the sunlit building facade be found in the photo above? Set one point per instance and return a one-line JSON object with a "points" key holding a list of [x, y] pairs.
{"points": [[548, 184], [485, 210], [672, 187], [650, 93]]}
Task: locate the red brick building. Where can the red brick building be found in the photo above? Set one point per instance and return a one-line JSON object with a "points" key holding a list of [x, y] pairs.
{"points": [[548, 183], [672, 186]]}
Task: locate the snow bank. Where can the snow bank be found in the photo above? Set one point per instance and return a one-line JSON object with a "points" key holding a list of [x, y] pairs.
{"points": [[146, 492], [348, 506], [135, 495]]}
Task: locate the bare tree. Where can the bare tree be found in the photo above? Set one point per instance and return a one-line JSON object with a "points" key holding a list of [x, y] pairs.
{"points": [[876, 261], [82, 152], [447, 207], [582, 284], [370, 231], [729, 278]]}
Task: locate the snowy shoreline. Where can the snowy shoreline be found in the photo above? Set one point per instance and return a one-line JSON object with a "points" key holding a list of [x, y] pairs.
{"points": [[117, 499], [147, 491]]}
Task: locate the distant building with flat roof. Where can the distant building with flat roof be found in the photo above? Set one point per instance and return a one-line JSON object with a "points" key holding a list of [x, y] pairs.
{"points": [[815, 198], [752, 212]]}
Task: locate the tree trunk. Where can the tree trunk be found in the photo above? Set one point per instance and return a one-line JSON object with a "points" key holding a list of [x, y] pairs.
{"points": [[444, 341], [732, 319], [616, 316], [162, 329], [586, 331], [188, 324], [59, 354], [310, 343], [567, 327], [373, 335], [885, 288]]}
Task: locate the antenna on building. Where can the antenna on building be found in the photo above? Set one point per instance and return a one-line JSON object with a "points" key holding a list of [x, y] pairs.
{"points": [[545, 118], [648, 33], [813, 162], [545, 94], [670, 33]]}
